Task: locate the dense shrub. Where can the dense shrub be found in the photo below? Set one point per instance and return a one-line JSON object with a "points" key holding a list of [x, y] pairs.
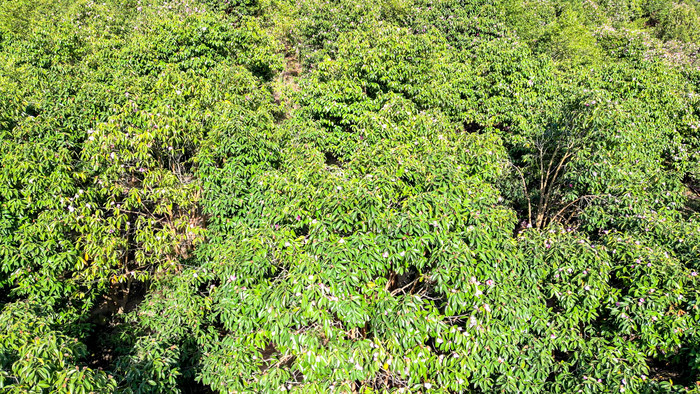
{"points": [[35, 358], [680, 22], [315, 196]]}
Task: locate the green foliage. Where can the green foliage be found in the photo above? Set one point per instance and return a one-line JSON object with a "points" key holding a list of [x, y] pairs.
{"points": [[198, 41], [236, 7], [393, 196], [680, 22], [18, 15], [570, 39], [36, 358]]}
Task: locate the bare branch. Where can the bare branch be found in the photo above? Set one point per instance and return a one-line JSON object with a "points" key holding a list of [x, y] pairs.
{"points": [[591, 196], [527, 194]]}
